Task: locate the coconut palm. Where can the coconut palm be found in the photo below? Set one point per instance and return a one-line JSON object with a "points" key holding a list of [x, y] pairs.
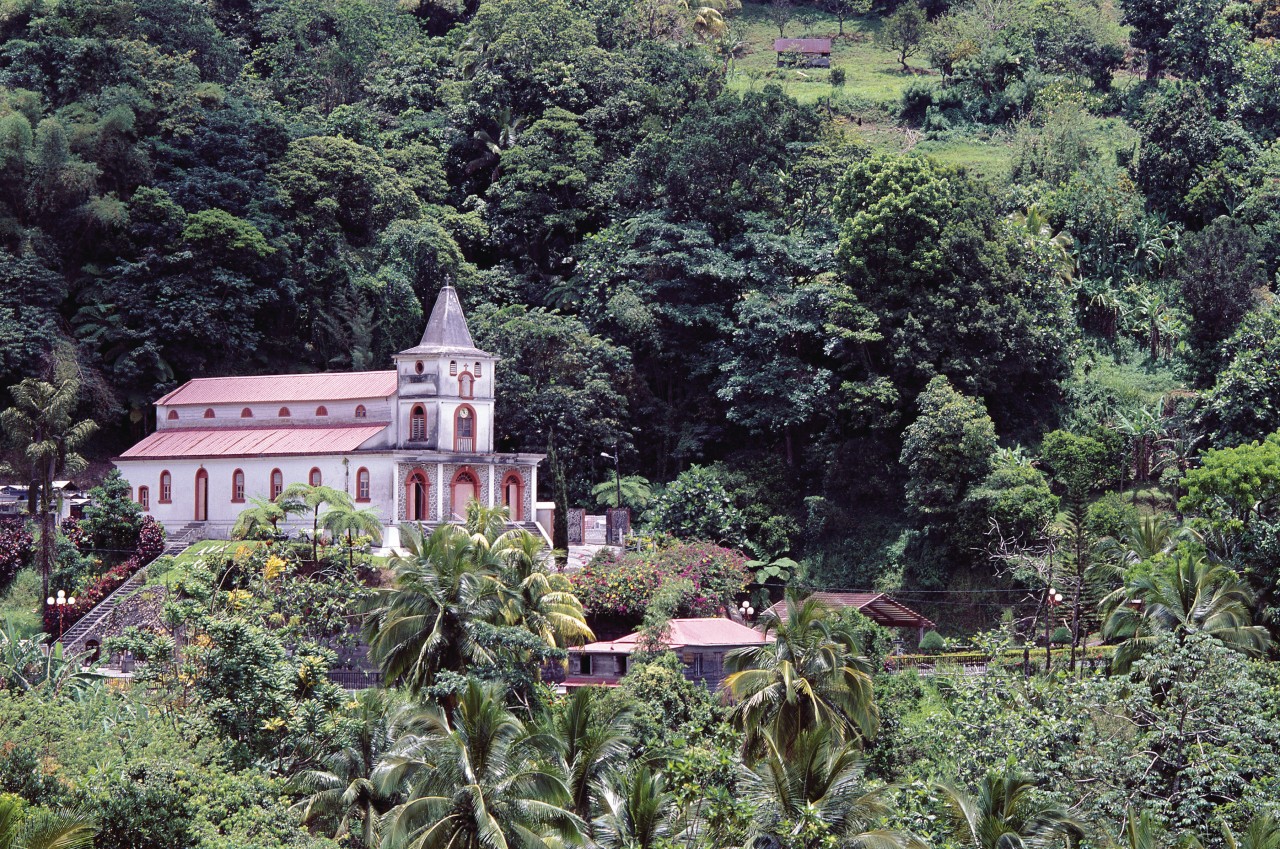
{"points": [[42, 431], [542, 602], [590, 746], [638, 810], [813, 785], [476, 780], [1006, 814], [346, 519], [1262, 832], [302, 496], [1184, 595], [420, 625], [340, 783], [810, 674], [22, 828]]}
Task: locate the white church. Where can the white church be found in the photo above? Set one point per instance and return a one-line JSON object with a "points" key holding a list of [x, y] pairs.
{"points": [[415, 443]]}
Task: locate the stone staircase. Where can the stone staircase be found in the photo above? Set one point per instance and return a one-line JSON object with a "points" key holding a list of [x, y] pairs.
{"points": [[183, 538], [76, 636]]}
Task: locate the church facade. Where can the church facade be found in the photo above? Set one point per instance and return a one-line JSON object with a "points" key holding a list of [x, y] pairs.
{"points": [[415, 443]]}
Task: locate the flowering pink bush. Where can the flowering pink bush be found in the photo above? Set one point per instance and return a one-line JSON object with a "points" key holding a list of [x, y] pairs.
{"points": [[150, 544], [623, 587]]}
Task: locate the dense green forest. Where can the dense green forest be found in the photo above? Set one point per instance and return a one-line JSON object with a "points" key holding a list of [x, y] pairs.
{"points": [[981, 314], [678, 248]]}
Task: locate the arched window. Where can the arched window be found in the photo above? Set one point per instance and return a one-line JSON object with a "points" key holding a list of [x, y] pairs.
{"points": [[173, 416], [166, 488], [283, 414], [466, 385], [277, 484], [513, 495], [144, 498], [464, 429], [246, 413], [208, 412], [361, 412], [314, 477], [362, 484], [321, 411], [417, 424], [417, 491], [237, 486], [453, 367]]}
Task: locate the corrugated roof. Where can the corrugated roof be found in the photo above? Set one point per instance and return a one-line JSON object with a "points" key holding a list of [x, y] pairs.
{"points": [[690, 632], [802, 45], [878, 607], [447, 330], [252, 441], [284, 388]]}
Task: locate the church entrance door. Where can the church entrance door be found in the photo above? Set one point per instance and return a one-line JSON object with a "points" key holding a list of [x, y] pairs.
{"points": [[416, 490], [511, 498], [465, 491], [202, 496]]}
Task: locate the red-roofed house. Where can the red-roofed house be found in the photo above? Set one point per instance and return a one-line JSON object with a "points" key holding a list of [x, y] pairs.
{"points": [[878, 607], [414, 442], [811, 52], [700, 643]]}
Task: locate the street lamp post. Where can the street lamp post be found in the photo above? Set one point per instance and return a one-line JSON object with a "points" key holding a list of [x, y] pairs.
{"points": [[1052, 599], [60, 603], [617, 482], [746, 610]]}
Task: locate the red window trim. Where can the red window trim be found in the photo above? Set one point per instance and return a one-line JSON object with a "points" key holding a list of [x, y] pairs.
{"points": [[518, 514], [417, 474], [418, 411], [322, 410], [271, 486], [469, 384], [173, 416], [283, 414], [246, 413], [361, 412], [209, 414], [362, 476], [475, 428], [144, 499], [163, 475], [234, 498], [314, 477]]}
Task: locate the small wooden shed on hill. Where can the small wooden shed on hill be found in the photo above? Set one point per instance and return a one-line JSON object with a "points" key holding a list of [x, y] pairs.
{"points": [[803, 52]]}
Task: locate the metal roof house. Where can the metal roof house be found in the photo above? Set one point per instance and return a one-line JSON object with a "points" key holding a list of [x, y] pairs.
{"points": [[878, 607], [803, 52], [700, 643]]}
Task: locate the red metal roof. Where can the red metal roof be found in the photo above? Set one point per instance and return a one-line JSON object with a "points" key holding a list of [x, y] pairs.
{"points": [[252, 441], [690, 632], [802, 45], [281, 388], [878, 607]]}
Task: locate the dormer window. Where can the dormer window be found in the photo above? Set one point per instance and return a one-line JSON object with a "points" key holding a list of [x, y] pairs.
{"points": [[208, 413], [321, 411], [246, 413], [361, 412], [466, 385], [418, 424], [283, 414], [173, 416]]}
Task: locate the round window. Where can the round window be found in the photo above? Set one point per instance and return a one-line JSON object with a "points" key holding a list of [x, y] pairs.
{"points": [[418, 367]]}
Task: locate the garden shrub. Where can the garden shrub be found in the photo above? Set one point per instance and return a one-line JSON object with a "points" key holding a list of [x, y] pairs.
{"points": [[932, 643], [15, 551], [623, 587]]}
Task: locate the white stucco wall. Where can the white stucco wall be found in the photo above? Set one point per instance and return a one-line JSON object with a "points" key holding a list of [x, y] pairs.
{"points": [[267, 415]]}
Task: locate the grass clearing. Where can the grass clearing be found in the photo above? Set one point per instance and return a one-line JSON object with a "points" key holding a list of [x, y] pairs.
{"points": [[20, 608]]}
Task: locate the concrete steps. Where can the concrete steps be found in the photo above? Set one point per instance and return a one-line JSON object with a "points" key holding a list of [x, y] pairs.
{"points": [[183, 538], [76, 636]]}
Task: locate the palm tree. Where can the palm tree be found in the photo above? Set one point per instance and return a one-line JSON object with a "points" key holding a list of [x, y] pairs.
{"points": [[542, 602], [303, 495], [816, 780], [347, 519], [1141, 539], [42, 829], [811, 674], [263, 513], [1004, 814], [1263, 832], [638, 810], [1142, 832], [42, 430], [421, 625], [590, 747], [476, 780], [340, 784], [1187, 594]]}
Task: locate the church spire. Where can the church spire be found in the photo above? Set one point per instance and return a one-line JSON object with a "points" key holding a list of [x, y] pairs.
{"points": [[447, 327]]}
